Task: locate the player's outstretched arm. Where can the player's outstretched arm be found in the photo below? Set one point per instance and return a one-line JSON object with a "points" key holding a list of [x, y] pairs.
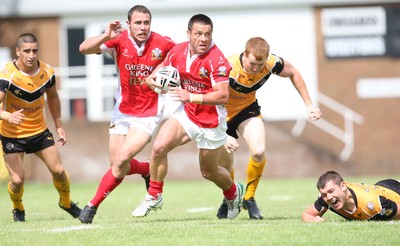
{"points": [[92, 45], [312, 215], [298, 82]]}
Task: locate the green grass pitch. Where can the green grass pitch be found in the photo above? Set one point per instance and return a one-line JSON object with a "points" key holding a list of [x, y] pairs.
{"points": [[188, 217]]}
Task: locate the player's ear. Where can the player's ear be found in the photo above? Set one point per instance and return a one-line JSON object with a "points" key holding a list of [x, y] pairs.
{"points": [[343, 186]]}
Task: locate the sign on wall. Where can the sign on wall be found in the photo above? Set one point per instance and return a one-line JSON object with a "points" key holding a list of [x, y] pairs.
{"points": [[360, 32]]}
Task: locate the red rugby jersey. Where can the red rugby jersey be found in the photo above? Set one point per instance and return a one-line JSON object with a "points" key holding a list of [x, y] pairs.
{"points": [[199, 74], [134, 64]]}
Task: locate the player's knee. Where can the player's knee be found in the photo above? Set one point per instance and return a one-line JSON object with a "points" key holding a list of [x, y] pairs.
{"points": [[17, 180], [122, 159], [209, 175], [259, 155], [59, 173], [158, 151]]}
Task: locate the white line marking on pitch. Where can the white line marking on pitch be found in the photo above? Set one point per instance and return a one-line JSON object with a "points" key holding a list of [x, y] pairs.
{"points": [[73, 228], [280, 198]]}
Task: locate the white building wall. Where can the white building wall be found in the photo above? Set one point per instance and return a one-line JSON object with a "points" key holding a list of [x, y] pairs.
{"points": [[288, 25], [290, 33]]}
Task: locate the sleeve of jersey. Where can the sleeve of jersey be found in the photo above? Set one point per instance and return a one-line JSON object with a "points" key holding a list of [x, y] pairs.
{"points": [[108, 47], [52, 81], [221, 72], [170, 59], [389, 209], [319, 204], [278, 65], [171, 43], [4, 84]]}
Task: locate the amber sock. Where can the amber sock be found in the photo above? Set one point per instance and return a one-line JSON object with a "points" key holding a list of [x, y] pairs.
{"points": [[16, 198], [254, 173], [64, 191]]}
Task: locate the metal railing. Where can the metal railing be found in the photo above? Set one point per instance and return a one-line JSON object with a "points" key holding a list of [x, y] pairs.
{"points": [[346, 135], [74, 84]]}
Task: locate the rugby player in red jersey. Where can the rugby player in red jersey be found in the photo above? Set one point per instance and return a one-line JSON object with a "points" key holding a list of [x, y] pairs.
{"points": [[138, 111], [204, 73]]}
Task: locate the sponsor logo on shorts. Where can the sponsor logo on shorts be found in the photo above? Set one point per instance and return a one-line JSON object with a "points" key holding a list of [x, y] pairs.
{"points": [[9, 146]]}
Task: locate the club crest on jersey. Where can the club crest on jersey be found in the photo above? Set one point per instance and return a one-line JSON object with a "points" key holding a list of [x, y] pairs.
{"points": [[17, 92], [222, 71], [126, 52], [156, 54], [370, 206], [203, 72]]}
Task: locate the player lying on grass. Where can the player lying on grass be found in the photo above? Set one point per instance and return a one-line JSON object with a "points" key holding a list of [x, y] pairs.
{"points": [[355, 201]]}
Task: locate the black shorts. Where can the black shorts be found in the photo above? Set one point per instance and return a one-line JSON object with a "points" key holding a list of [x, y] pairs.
{"points": [[29, 144], [253, 110], [391, 184]]}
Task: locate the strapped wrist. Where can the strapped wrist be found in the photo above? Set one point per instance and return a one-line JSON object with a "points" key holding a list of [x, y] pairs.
{"points": [[196, 98]]}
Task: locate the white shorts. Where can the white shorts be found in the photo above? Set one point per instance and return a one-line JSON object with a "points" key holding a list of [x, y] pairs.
{"points": [[120, 123], [206, 138]]}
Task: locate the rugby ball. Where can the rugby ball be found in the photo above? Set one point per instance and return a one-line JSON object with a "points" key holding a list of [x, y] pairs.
{"points": [[167, 77]]}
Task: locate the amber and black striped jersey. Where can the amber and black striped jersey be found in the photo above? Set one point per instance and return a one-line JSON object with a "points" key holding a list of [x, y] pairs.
{"points": [[25, 91], [373, 202], [243, 86]]}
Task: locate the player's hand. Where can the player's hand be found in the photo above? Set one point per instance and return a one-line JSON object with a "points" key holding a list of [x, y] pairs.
{"points": [[313, 113], [63, 139], [231, 144], [319, 219], [113, 29], [16, 117], [179, 94], [151, 83]]}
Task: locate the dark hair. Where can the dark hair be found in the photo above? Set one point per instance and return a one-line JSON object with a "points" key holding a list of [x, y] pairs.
{"points": [[329, 176], [202, 18], [140, 9], [26, 38]]}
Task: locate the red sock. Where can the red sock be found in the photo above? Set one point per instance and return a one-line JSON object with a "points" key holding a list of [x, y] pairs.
{"points": [[139, 167], [107, 184], [155, 188], [230, 193]]}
